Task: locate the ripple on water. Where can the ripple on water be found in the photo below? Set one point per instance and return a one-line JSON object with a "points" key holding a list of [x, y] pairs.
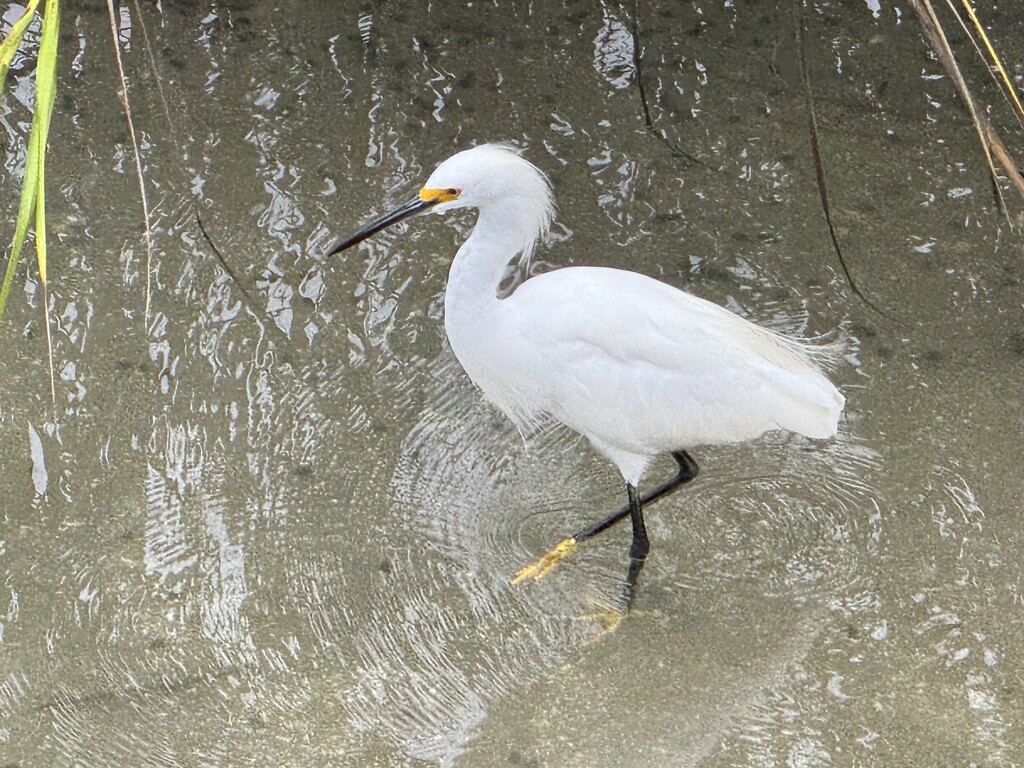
{"points": [[451, 634]]}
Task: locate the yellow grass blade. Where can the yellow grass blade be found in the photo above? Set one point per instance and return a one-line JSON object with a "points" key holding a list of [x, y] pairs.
{"points": [[46, 91], [995, 58]]}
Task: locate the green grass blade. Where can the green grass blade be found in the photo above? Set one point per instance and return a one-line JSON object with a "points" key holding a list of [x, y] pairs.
{"points": [[10, 44], [26, 207], [46, 76]]}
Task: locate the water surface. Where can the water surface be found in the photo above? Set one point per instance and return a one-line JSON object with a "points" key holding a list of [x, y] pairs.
{"points": [[274, 524]]}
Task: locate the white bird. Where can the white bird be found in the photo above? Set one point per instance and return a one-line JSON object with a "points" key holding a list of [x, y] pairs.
{"points": [[635, 365]]}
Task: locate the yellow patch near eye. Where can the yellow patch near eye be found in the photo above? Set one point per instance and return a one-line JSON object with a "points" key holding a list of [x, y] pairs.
{"points": [[438, 195]]}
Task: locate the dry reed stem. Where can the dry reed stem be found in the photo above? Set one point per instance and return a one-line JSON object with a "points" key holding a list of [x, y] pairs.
{"points": [[991, 144], [148, 233]]}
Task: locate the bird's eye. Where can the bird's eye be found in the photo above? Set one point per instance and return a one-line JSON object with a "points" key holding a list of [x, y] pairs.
{"points": [[452, 191]]}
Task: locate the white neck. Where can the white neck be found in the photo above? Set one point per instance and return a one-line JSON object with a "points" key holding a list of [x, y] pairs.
{"points": [[480, 326], [501, 233]]}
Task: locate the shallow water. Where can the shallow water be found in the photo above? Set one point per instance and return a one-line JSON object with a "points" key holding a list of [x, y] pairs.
{"points": [[274, 524]]}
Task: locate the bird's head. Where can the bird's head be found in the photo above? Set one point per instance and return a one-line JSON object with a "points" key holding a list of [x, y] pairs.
{"points": [[490, 176], [484, 175]]}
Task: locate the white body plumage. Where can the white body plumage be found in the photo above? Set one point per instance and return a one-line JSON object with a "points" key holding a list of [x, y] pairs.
{"points": [[635, 365]]}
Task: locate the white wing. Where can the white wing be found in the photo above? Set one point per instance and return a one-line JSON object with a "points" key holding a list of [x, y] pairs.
{"points": [[637, 364]]}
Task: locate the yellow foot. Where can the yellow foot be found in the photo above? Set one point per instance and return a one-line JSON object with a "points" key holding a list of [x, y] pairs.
{"points": [[540, 567]]}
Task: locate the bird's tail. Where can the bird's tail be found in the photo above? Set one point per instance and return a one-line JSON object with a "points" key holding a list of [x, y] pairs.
{"points": [[811, 403]]}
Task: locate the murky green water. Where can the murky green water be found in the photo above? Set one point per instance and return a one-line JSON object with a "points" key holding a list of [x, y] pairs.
{"points": [[274, 524]]}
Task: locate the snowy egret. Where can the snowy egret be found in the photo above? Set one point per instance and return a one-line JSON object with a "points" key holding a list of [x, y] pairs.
{"points": [[635, 365]]}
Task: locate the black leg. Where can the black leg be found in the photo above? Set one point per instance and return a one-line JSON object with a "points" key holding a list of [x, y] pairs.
{"points": [[638, 548], [641, 544], [629, 588], [687, 471]]}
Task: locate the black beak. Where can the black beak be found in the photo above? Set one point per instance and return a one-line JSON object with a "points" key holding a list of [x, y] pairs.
{"points": [[409, 209]]}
